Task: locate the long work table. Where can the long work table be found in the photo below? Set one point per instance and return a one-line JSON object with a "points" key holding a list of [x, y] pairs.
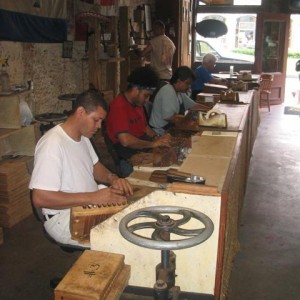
{"points": [[222, 156]]}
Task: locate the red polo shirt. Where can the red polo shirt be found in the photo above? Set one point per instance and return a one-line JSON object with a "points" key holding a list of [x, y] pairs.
{"points": [[125, 117]]}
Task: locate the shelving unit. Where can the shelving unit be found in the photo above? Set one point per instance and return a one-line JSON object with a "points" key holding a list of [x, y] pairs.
{"points": [[18, 143], [104, 65], [15, 139], [10, 109]]}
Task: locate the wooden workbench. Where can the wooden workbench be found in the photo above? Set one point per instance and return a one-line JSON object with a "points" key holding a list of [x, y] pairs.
{"points": [[223, 158]]}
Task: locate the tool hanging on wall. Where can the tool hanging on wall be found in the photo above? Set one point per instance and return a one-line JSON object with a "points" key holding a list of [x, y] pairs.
{"points": [[85, 17], [103, 51], [132, 36]]}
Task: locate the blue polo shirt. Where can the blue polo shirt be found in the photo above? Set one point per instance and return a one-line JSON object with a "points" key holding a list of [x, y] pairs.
{"points": [[202, 76]]}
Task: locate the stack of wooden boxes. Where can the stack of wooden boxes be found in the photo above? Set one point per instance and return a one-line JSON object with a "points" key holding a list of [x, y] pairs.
{"points": [[95, 275], [14, 194], [17, 145]]}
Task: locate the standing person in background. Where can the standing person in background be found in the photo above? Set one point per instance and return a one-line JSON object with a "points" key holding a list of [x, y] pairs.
{"points": [[203, 75], [162, 50]]}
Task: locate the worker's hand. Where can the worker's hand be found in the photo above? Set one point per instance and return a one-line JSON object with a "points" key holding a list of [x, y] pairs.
{"points": [[224, 81], [109, 196], [122, 185], [162, 141]]}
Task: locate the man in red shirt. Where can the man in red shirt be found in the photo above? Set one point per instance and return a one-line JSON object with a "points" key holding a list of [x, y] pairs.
{"points": [[126, 123]]}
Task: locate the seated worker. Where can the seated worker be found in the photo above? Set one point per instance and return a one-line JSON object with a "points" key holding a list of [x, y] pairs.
{"points": [[203, 75], [126, 124], [67, 170], [172, 99]]}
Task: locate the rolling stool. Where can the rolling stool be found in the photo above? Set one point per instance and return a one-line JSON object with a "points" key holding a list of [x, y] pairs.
{"points": [[163, 226], [68, 97], [49, 118]]}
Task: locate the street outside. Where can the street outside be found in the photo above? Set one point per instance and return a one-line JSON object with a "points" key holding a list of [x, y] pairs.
{"points": [[292, 83]]}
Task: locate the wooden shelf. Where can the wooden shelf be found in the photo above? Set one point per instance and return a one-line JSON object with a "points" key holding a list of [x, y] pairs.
{"points": [[18, 141]]}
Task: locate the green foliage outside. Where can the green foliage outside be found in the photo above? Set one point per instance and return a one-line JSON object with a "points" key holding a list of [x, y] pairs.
{"points": [[251, 52]]}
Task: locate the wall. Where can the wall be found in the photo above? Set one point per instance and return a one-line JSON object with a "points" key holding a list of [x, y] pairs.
{"points": [[51, 74]]}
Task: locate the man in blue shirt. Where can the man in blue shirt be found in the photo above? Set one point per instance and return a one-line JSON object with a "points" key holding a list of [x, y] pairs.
{"points": [[203, 75]]}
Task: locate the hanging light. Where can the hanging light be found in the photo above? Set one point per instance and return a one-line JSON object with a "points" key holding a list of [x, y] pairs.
{"points": [[211, 28]]}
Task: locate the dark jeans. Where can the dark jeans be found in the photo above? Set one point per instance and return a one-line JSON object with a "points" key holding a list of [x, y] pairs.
{"points": [[124, 153]]}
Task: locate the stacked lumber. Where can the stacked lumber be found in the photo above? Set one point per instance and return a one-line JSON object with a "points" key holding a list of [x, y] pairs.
{"points": [[95, 275], [14, 193]]}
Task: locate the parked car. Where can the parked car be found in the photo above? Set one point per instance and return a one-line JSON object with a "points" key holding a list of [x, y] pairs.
{"points": [[204, 47]]}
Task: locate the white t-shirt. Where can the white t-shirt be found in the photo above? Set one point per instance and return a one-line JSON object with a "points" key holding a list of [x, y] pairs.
{"points": [[62, 164], [162, 53]]}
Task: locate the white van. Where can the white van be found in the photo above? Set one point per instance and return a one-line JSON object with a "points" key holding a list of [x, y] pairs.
{"points": [[204, 47]]}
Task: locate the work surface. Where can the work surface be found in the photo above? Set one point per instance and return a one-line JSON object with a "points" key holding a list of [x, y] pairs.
{"points": [[222, 157]]}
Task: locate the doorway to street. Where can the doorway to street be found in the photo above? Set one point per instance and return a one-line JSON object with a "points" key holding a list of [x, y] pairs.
{"points": [[292, 82]]}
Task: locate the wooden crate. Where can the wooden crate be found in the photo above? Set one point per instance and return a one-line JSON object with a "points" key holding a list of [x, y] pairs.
{"points": [[95, 275]]}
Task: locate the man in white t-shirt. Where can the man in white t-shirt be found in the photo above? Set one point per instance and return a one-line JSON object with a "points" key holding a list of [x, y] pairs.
{"points": [[67, 171], [161, 49]]}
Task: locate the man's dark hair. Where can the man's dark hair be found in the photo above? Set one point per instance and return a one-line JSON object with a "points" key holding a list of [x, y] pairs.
{"points": [[159, 24], [144, 78], [183, 73], [90, 100]]}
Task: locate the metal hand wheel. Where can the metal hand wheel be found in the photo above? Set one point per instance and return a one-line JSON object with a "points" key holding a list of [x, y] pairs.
{"points": [[163, 226]]}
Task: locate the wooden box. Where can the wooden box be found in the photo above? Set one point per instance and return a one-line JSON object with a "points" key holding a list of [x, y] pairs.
{"points": [[14, 193], [214, 88], [95, 275], [207, 98], [83, 219]]}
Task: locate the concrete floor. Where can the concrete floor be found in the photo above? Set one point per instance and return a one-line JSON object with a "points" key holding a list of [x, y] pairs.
{"points": [[268, 264]]}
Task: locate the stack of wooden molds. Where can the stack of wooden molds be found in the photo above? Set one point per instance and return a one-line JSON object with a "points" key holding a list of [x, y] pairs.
{"points": [[14, 193], [95, 275]]}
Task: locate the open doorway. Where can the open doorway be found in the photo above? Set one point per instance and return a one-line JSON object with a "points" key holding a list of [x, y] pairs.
{"points": [[292, 83]]}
